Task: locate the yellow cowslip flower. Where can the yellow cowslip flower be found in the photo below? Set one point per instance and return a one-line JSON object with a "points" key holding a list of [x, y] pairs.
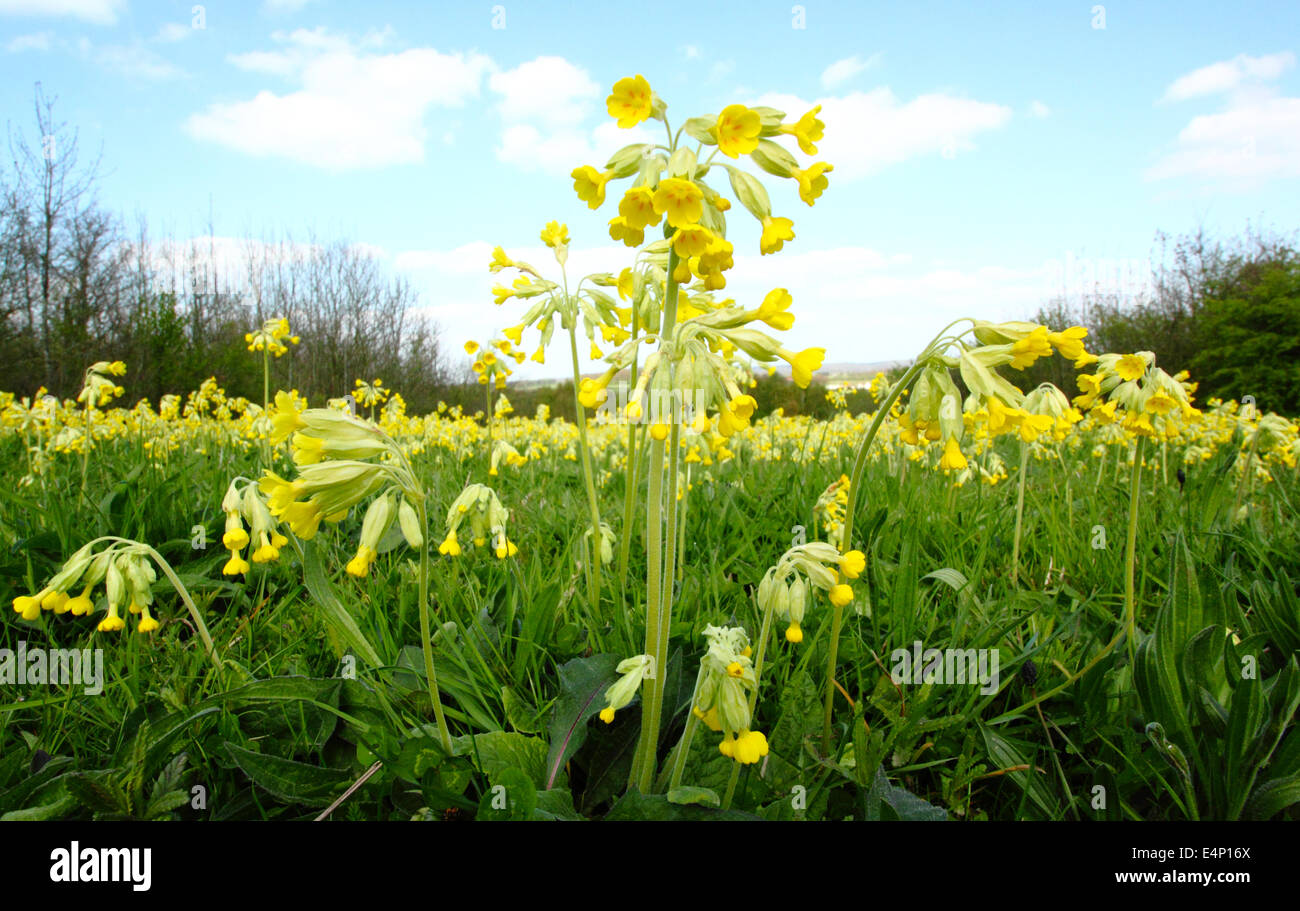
{"points": [[737, 130], [746, 747], [1130, 367], [680, 200], [841, 595], [621, 229], [952, 460], [853, 563], [776, 231], [631, 101], [773, 309], [1070, 342], [235, 565], [501, 294], [500, 260], [638, 208], [514, 333], [590, 185], [450, 547], [689, 241], [626, 286], [794, 633], [803, 365], [812, 181], [555, 234], [471, 347], [1030, 348], [807, 130], [1160, 402]]}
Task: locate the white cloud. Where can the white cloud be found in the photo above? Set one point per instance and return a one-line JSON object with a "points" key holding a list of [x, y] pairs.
{"points": [[354, 108], [276, 7], [133, 60], [549, 91], [691, 52], [97, 12], [544, 105], [1250, 143], [1039, 110], [842, 71], [172, 32], [40, 41], [868, 131], [1227, 75], [1254, 138]]}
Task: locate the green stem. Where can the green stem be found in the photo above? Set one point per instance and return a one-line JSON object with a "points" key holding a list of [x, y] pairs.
{"points": [[1130, 547], [1020, 514], [630, 474], [658, 607], [846, 535], [593, 547], [426, 636]]}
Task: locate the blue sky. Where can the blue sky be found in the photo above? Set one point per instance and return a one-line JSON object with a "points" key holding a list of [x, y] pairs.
{"points": [[978, 149]]}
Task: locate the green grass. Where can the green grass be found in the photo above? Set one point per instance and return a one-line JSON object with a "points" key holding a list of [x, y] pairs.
{"points": [[296, 716]]}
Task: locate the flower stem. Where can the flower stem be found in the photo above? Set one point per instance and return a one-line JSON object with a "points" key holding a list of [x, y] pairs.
{"points": [[658, 600], [1130, 547], [1020, 514], [593, 547], [846, 534], [426, 638]]}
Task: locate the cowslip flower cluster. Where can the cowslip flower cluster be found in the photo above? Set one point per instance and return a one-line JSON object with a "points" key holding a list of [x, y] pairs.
{"points": [[1149, 398], [331, 449], [816, 565], [669, 185], [246, 506], [490, 361], [100, 386], [272, 337], [126, 572], [504, 452], [632, 671], [696, 374], [936, 410], [370, 394], [723, 694], [482, 508]]}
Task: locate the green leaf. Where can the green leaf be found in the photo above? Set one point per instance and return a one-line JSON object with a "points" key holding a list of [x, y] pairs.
{"points": [[496, 751], [583, 682], [904, 804], [1272, 797], [652, 807], [56, 810], [289, 780], [556, 803], [513, 796], [331, 609], [688, 795], [1005, 755]]}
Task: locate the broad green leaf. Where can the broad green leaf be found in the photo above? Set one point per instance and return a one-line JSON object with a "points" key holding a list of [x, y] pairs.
{"points": [[289, 780], [583, 682]]}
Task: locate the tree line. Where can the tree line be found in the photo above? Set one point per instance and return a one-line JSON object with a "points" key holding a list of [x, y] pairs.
{"points": [[1226, 310], [77, 286]]}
